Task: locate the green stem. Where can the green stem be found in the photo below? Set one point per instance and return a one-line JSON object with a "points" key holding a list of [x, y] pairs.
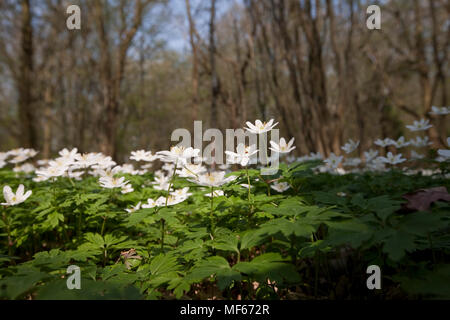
{"points": [[8, 230], [103, 226], [79, 223], [212, 211], [54, 190], [249, 186], [162, 233], [167, 200], [105, 255], [171, 182]]}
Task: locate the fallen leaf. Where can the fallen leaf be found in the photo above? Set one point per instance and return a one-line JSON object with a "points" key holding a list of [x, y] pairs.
{"points": [[422, 199]]}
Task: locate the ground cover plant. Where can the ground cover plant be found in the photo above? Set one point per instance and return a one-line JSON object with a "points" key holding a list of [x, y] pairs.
{"points": [[186, 231]]}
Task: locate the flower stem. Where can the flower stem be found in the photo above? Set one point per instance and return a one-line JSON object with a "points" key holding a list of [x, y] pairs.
{"points": [[8, 230], [103, 226], [248, 193], [163, 222], [171, 182], [248, 182], [212, 211]]}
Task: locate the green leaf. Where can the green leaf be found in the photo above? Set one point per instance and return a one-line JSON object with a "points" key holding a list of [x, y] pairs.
{"points": [[397, 244], [227, 243], [421, 223], [251, 239], [217, 266], [269, 266], [163, 264]]}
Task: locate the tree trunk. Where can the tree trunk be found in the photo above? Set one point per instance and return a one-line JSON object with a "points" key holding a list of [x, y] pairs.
{"points": [[26, 113], [215, 84]]}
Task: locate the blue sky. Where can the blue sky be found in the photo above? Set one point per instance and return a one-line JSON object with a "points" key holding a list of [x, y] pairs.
{"points": [[177, 32]]}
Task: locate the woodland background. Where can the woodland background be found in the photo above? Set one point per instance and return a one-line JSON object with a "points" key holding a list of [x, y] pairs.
{"points": [[139, 69]]}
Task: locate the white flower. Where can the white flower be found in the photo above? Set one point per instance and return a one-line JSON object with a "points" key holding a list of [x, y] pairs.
{"points": [[333, 161], [104, 162], [60, 163], [109, 172], [181, 193], [341, 194], [19, 158], [128, 188], [419, 142], [416, 156], [74, 174], [69, 155], [86, 160], [150, 204], [439, 111], [134, 209], [245, 185], [384, 143], [171, 200], [13, 199], [21, 155], [40, 178], [352, 162], [51, 172], [213, 179], [376, 164], [161, 182], [168, 167], [129, 169], [260, 127], [350, 146], [3, 156], [400, 143], [112, 182], [2, 163], [421, 125], [280, 186], [178, 154], [43, 162], [370, 155], [314, 156], [391, 159], [191, 170], [142, 155], [243, 154], [282, 147], [26, 167], [147, 166], [445, 153], [215, 193]]}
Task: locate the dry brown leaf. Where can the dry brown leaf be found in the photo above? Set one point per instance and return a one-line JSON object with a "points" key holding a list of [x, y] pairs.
{"points": [[422, 199]]}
